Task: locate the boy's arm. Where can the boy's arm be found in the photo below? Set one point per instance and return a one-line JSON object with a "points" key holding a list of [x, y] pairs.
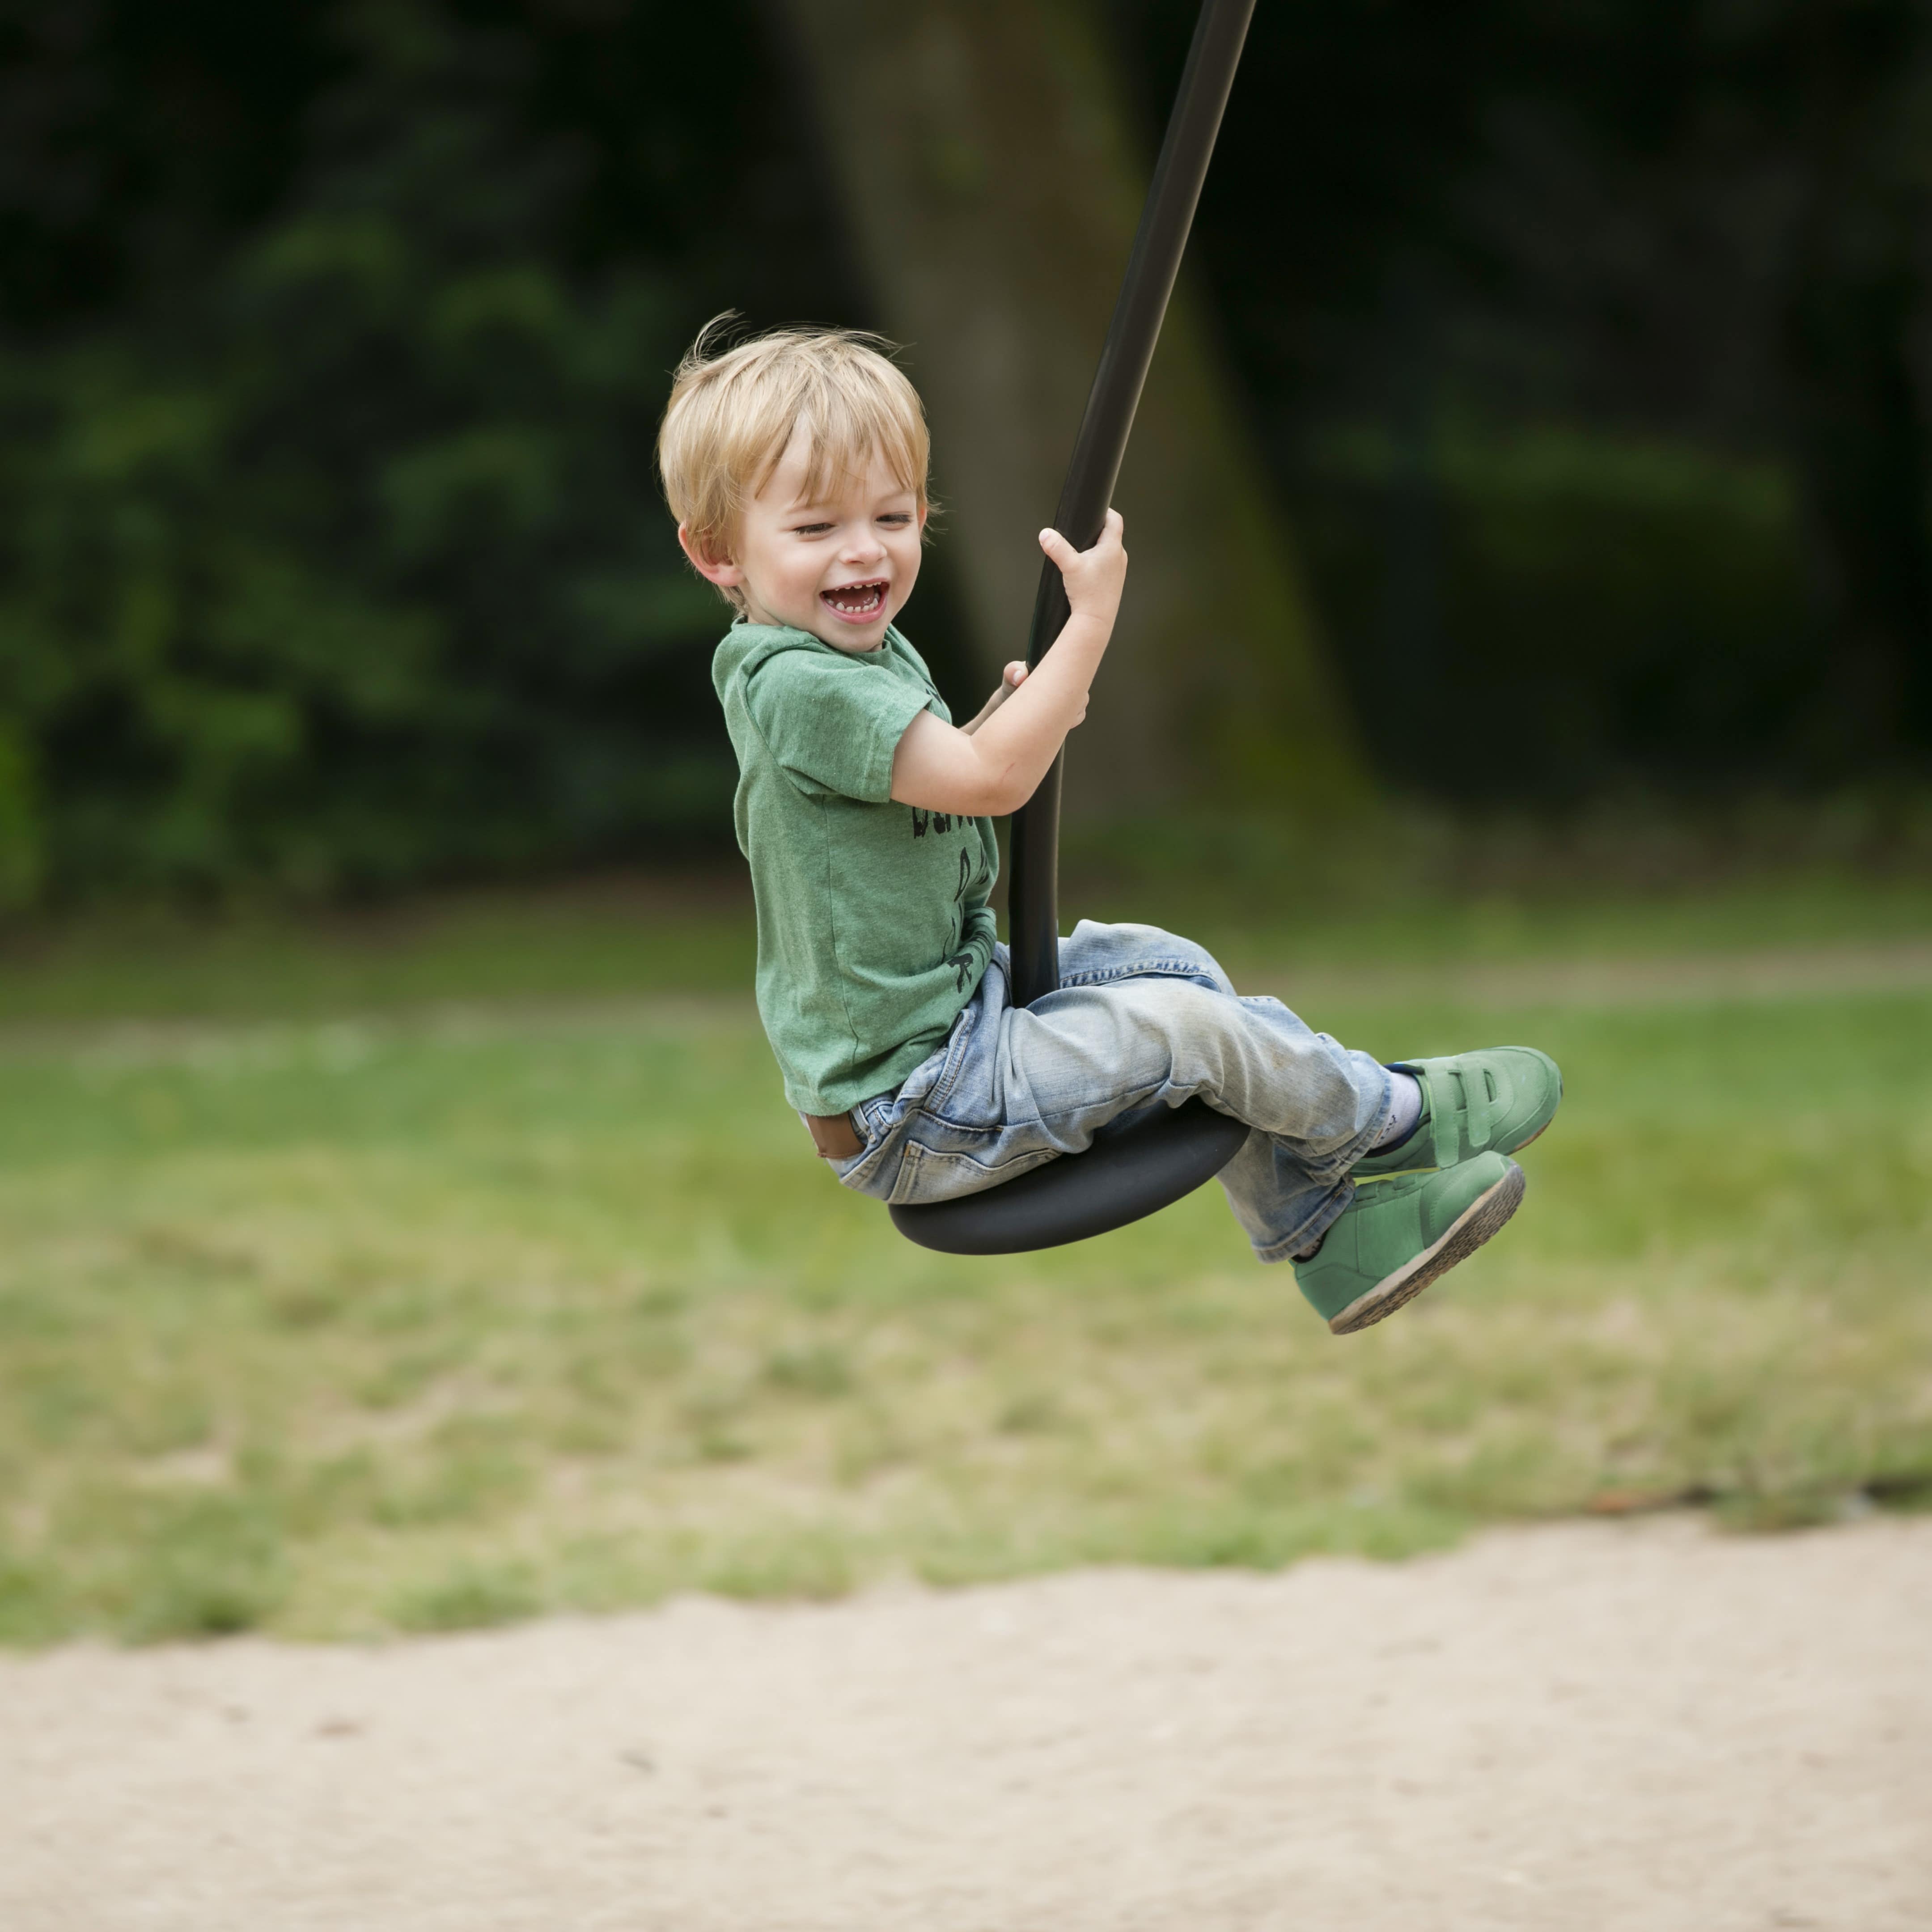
{"points": [[1011, 679], [992, 766]]}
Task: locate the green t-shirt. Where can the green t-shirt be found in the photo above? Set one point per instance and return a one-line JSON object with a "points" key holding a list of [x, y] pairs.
{"points": [[873, 925]]}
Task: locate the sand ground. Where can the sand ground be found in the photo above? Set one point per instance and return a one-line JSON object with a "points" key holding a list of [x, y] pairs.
{"points": [[1607, 1726]]}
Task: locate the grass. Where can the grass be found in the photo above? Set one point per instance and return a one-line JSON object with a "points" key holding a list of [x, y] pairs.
{"points": [[439, 1271]]}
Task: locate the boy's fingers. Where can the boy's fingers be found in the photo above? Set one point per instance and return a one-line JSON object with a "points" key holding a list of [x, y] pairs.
{"points": [[1063, 552], [1016, 674]]}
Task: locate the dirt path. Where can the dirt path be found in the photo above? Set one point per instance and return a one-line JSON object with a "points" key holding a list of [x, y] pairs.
{"points": [[1597, 1726]]}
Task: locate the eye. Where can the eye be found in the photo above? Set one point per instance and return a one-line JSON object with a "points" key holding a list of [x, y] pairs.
{"points": [[899, 518]]}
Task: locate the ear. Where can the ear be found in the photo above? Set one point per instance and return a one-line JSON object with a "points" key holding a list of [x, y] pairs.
{"points": [[724, 573]]}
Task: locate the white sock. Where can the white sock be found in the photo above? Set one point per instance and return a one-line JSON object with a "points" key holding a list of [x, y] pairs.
{"points": [[1405, 1107]]}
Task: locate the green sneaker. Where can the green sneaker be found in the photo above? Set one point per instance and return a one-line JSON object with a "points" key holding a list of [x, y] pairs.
{"points": [[1402, 1231], [1494, 1101]]}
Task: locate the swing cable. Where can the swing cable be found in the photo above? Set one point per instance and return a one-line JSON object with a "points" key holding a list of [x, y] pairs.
{"points": [[1138, 1170]]}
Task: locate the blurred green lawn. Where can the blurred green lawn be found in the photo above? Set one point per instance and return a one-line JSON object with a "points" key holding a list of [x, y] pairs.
{"points": [[435, 1270]]}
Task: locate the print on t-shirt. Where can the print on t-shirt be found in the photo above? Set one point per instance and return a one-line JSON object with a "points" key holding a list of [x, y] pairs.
{"points": [[961, 961]]}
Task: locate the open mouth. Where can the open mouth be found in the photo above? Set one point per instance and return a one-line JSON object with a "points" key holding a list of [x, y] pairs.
{"points": [[856, 603]]}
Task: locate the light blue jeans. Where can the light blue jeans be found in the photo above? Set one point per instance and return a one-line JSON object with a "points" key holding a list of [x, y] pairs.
{"points": [[1141, 1019]]}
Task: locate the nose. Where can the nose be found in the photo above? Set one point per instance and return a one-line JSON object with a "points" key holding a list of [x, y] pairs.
{"points": [[861, 545]]}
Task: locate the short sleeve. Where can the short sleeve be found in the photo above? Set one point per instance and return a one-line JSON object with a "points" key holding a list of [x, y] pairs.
{"points": [[832, 726]]}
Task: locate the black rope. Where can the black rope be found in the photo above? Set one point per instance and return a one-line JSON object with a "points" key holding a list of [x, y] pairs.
{"points": [[1033, 888]]}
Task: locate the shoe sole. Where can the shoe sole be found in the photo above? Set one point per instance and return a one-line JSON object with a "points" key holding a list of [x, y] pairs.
{"points": [[1482, 1218]]}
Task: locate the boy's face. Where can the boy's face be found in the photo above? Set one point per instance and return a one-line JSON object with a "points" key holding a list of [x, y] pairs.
{"points": [[841, 568]]}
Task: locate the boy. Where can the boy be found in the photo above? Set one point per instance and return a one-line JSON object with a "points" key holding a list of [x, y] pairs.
{"points": [[795, 464]]}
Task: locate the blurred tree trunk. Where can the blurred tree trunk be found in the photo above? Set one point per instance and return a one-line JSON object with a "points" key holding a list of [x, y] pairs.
{"points": [[993, 192]]}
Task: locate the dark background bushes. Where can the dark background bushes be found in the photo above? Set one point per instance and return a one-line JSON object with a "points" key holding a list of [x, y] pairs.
{"points": [[1586, 346], [332, 552]]}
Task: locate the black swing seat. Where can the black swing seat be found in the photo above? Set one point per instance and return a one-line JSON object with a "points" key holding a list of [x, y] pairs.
{"points": [[1120, 1178]]}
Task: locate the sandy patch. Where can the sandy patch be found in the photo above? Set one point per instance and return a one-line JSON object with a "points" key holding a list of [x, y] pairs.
{"points": [[1638, 1726]]}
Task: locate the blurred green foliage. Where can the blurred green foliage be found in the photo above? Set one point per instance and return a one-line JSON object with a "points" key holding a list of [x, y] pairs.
{"points": [[1625, 605], [1635, 298], [1585, 345], [348, 566]]}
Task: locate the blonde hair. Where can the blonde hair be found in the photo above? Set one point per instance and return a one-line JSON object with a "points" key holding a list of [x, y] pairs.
{"points": [[733, 411]]}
